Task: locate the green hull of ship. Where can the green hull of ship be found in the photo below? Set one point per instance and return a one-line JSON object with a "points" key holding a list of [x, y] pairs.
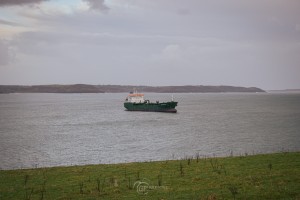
{"points": [[152, 107]]}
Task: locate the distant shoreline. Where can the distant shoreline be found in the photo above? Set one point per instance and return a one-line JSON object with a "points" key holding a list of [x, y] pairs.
{"points": [[84, 88], [285, 91]]}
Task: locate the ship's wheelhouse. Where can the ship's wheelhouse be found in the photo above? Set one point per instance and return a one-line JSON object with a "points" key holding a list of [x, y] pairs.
{"points": [[135, 98]]}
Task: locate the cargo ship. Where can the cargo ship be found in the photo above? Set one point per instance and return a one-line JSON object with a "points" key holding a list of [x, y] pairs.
{"points": [[136, 102]]}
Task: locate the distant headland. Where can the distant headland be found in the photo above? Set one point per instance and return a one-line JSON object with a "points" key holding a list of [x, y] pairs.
{"points": [[84, 88]]}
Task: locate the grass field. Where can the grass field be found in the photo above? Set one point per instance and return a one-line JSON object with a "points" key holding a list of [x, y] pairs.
{"points": [[270, 176]]}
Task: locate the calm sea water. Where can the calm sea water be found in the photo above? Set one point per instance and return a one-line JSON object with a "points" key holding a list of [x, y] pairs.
{"points": [[38, 130]]}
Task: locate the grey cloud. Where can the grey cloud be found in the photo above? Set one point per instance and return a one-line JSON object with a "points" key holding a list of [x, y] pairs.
{"points": [[226, 19], [5, 54], [250, 43], [18, 2], [97, 5], [183, 11], [10, 23]]}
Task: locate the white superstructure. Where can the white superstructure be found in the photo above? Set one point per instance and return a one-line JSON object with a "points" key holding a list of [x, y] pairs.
{"points": [[135, 98]]}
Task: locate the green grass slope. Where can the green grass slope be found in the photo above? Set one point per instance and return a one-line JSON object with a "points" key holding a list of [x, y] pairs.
{"points": [[271, 176]]}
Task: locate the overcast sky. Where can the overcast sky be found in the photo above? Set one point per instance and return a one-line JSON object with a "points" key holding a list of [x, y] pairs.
{"points": [[151, 42]]}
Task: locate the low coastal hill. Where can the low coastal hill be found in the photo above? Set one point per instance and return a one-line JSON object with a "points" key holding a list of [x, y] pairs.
{"points": [[83, 88]]}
